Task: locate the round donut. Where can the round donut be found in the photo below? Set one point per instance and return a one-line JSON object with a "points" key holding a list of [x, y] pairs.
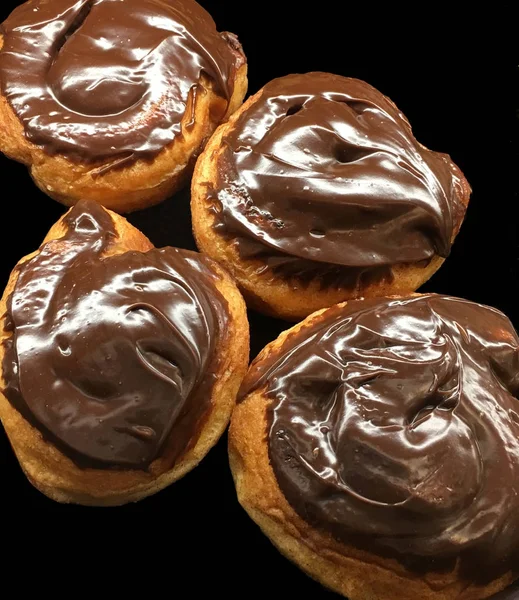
{"points": [[112, 100], [376, 444], [316, 191], [120, 362]]}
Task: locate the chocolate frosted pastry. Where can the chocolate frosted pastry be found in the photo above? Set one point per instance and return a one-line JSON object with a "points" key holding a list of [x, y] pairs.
{"points": [[112, 100], [377, 445], [316, 191], [120, 362]]}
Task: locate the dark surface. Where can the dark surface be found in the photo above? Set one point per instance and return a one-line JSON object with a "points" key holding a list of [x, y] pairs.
{"points": [[455, 87]]}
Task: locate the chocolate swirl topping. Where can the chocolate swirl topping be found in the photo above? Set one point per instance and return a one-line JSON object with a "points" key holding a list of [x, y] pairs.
{"points": [[394, 425], [95, 79], [324, 171], [113, 358]]}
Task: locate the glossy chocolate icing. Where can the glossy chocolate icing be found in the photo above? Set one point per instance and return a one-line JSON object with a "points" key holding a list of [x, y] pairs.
{"points": [[322, 172], [106, 79], [113, 359], [394, 425]]}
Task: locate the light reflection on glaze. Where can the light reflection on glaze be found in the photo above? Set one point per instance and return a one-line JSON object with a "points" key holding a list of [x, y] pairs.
{"points": [[325, 169], [393, 424], [113, 359], [94, 79]]}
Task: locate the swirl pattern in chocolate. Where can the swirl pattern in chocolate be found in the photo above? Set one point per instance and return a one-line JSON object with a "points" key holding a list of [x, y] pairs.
{"points": [[394, 425], [96, 79], [323, 171], [113, 358]]}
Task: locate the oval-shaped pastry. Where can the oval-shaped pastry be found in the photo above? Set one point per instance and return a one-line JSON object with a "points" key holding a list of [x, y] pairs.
{"points": [[316, 191], [112, 100], [120, 362], [376, 443]]}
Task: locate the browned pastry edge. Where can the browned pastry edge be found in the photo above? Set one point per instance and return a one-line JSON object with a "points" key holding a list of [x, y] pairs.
{"points": [[357, 574], [57, 476], [123, 189], [266, 291]]}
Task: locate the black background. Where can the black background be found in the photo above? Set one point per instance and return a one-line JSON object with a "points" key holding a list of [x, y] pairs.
{"points": [[453, 77]]}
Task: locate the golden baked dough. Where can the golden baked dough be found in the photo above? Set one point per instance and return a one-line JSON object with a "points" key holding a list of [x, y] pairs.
{"points": [[358, 574], [55, 474], [141, 181], [263, 287]]}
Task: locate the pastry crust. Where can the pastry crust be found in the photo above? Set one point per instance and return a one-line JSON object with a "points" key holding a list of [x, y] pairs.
{"points": [[58, 477], [123, 189], [263, 289], [354, 573]]}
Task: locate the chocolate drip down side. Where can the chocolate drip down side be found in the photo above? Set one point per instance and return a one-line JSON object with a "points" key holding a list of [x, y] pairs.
{"points": [[393, 425], [322, 174], [113, 359], [103, 79]]}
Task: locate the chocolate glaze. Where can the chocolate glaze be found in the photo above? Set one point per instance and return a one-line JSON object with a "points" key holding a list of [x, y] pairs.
{"points": [[113, 359], [394, 425], [323, 173], [101, 79]]}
